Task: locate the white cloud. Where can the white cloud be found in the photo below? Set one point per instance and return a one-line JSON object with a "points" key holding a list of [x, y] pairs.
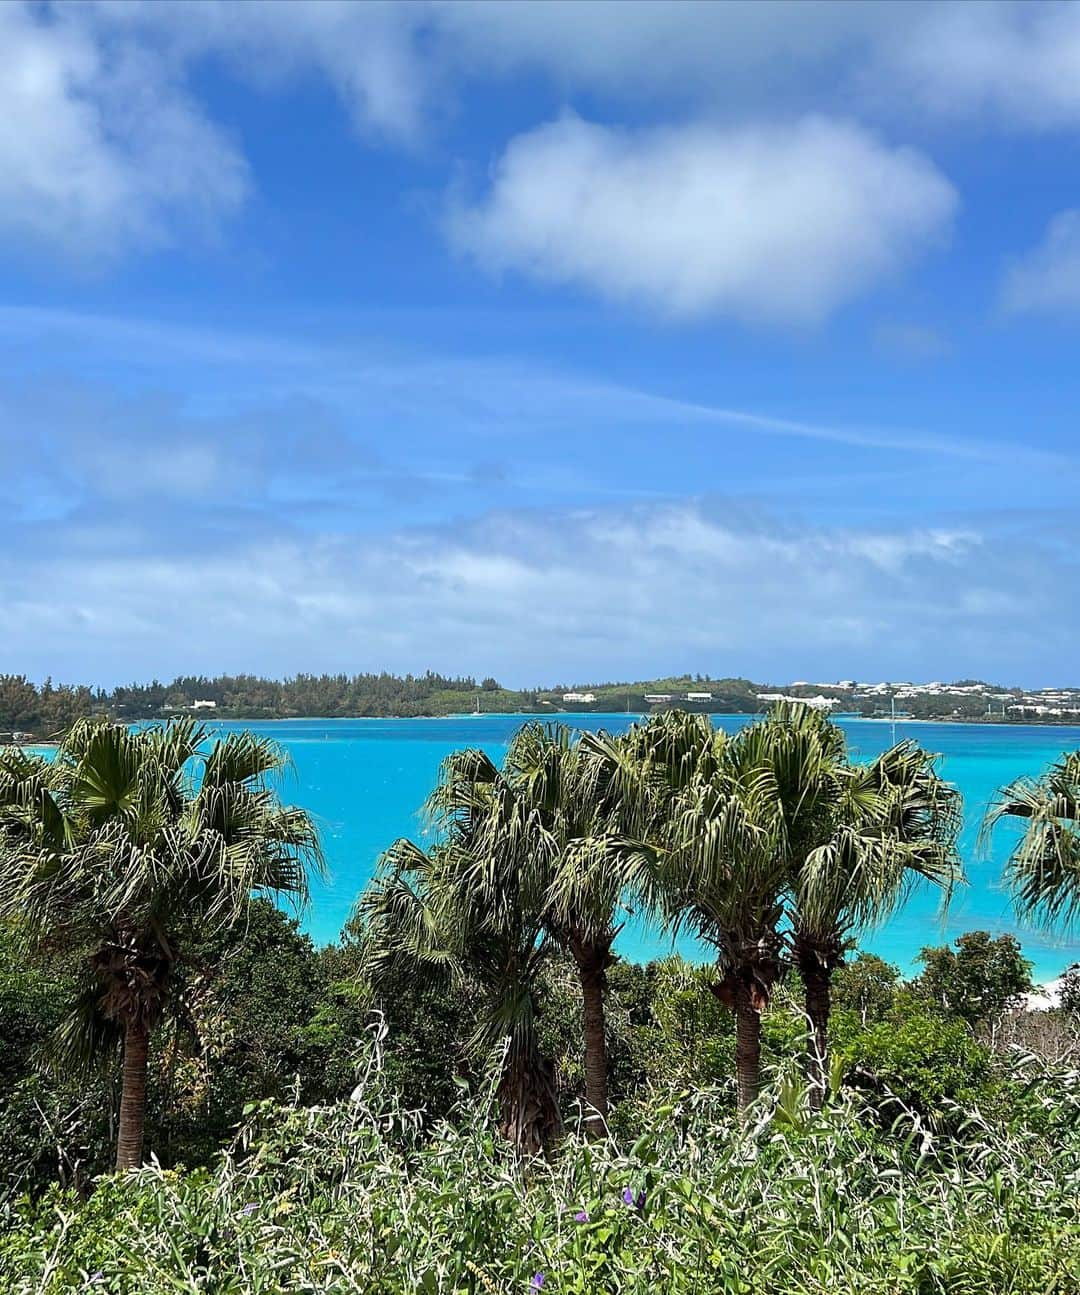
{"points": [[1017, 63], [535, 595], [1013, 61], [779, 223], [100, 149], [367, 52], [1048, 278], [677, 47], [104, 147]]}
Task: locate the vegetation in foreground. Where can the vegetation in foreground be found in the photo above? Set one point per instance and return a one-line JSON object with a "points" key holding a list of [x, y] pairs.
{"points": [[879, 1135], [355, 1198]]}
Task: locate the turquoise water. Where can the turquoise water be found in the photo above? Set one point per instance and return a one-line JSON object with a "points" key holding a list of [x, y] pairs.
{"points": [[365, 780]]}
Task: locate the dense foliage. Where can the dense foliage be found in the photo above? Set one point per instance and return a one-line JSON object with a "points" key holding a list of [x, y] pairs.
{"points": [[978, 980], [357, 1198]]}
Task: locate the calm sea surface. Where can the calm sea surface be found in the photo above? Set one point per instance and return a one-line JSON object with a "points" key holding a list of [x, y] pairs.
{"points": [[366, 779]]}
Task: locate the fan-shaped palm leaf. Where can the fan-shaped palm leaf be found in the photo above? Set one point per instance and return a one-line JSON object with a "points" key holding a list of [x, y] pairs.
{"points": [[1043, 870]]}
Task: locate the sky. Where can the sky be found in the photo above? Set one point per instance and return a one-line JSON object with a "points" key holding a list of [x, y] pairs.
{"points": [[550, 341]]}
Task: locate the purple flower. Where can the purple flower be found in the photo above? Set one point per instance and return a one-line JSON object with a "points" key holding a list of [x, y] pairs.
{"points": [[581, 1217], [537, 1281], [635, 1200]]}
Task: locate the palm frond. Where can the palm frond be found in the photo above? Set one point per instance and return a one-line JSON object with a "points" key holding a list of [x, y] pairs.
{"points": [[1043, 869]]}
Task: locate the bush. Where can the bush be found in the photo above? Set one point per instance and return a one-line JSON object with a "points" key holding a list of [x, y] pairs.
{"points": [[928, 1064]]}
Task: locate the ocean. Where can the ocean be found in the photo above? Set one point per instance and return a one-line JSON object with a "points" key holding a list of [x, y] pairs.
{"points": [[366, 779]]}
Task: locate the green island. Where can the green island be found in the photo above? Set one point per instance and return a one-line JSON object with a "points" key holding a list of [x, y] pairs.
{"points": [[470, 1092], [30, 710]]}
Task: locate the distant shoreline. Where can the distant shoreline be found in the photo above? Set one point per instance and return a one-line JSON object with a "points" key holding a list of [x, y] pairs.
{"points": [[846, 717], [48, 709]]}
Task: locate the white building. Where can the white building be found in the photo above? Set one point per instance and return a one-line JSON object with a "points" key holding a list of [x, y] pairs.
{"points": [[579, 696], [820, 703], [699, 696], [204, 705]]}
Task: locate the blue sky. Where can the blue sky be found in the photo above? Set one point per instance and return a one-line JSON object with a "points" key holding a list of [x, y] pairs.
{"points": [[554, 341]]}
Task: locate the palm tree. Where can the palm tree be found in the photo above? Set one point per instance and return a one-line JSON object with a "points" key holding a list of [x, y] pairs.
{"points": [[721, 873], [474, 905], [125, 846], [575, 785], [854, 839], [1043, 870]]}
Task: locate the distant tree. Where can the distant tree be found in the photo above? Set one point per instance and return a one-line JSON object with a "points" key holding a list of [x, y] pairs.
{"points": [[865, 985], [978, 981], [1069, 991]]}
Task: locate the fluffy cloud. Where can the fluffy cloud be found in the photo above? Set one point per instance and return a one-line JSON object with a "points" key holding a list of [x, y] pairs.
{"points": [[367, 52], [1048, 278], [1014, 61], [394, 64], [778, 223], [100, 149]]}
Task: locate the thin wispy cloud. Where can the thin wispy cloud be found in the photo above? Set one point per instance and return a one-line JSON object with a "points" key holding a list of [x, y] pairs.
{"points": [[500, 390], [1047, 278]]}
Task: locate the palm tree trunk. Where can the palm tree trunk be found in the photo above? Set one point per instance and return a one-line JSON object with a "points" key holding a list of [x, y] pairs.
{"points": [[816, 979], [129, 1139], [591, 975], [816, 960], [747, 1045], [530, 1116]]}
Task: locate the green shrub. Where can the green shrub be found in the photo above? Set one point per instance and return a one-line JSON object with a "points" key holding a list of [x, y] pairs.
{"points": [[928, 1063]]}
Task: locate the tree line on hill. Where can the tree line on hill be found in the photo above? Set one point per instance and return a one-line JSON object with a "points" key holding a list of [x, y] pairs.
{"points": [[47, 710]]}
